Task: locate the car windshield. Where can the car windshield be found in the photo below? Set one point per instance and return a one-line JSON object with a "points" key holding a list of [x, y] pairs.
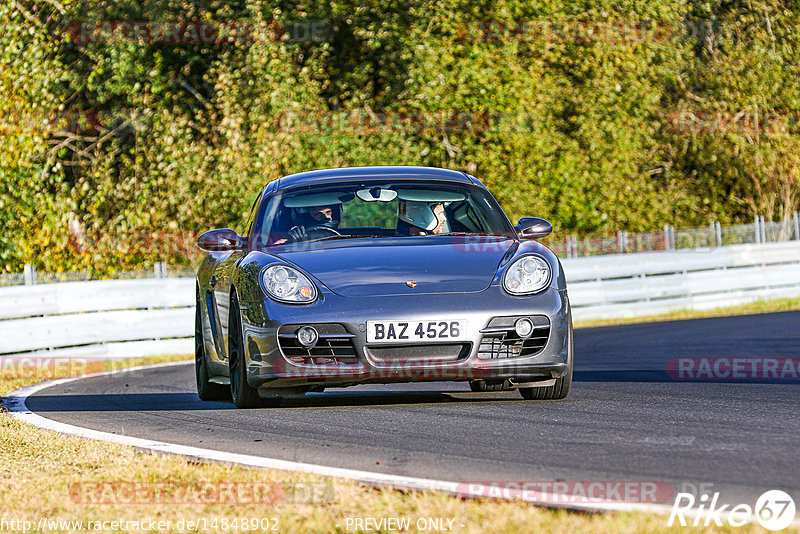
{"points": [[378, 209]]}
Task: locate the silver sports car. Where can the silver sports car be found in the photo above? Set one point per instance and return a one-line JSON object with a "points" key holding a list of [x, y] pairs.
{"points": [[380, 275]]}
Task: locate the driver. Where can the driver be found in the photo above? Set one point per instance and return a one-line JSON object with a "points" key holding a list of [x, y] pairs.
{"points": [[315, 217]]}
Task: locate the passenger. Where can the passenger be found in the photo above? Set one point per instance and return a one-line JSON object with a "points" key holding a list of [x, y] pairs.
{"points": [[422, 218]]}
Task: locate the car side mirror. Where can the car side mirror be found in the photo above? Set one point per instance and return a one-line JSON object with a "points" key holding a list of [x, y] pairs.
{"points": [[533, 228], [220, 240]]}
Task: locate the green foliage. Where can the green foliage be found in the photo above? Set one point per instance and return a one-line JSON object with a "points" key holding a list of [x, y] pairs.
{"points": [[115, 151]]}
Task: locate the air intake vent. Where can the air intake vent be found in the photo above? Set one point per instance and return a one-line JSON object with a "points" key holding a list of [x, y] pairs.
{"points": [[335, 346], [501, 341], [411, 354]]}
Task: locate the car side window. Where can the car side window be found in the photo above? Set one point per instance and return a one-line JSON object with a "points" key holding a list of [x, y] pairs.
{"points": [[464, 217], [252, 217]]}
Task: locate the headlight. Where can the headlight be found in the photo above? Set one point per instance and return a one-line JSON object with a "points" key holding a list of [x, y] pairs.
{"points": [[285, 284], [528, 274]]}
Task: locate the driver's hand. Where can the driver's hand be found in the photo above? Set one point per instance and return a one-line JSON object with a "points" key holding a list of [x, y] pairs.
{"points": [[298, 233]]}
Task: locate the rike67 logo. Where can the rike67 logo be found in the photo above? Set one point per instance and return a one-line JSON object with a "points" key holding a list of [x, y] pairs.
{"points": [[774, 510]]}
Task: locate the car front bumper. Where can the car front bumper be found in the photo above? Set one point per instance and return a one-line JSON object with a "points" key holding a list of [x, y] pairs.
{"points": [[269, 367]]}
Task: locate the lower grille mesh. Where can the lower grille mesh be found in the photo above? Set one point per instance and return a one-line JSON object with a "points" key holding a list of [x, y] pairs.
{"points": [[335, 346], [399, 354], [507, 344]]}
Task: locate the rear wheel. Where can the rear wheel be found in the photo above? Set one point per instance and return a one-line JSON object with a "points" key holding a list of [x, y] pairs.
{"points": [[206, 390], [560, 389], [244, 396]]}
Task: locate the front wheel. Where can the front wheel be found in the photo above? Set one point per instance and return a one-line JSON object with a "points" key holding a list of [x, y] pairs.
{"points": [[244, 396], [206, 390], [560, 389]]}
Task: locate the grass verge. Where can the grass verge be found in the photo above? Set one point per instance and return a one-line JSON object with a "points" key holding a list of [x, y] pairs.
{"points": [[759, 306], [56, 478]]}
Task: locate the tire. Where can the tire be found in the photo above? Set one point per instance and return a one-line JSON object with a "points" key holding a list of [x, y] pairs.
{"points": [[481, 385], [206, 390], [561, 388], [244, 396], [477, 385]]}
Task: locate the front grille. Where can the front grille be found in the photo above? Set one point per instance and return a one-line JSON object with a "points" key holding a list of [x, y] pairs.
{"points": [[434, 352], [501, 341], [335, 346]]}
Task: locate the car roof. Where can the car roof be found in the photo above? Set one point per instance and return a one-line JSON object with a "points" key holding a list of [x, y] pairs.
{"points": [[349, 173]]}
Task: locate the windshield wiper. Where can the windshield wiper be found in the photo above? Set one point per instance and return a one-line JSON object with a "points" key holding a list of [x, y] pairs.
{"points": [[344, 236], [482, 234]]}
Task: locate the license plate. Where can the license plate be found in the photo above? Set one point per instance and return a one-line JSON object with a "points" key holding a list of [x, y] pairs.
{"points": [[416, 331]]}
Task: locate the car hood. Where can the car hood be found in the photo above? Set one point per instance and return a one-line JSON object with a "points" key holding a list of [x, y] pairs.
{"points": [[381, 267]]}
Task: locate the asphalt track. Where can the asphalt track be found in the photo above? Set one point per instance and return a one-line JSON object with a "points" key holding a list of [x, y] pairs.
{"points": [[626, 418]]}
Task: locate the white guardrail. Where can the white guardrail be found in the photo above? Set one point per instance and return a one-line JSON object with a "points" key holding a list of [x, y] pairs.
{"points": [[121, 318], [106, 318]]}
